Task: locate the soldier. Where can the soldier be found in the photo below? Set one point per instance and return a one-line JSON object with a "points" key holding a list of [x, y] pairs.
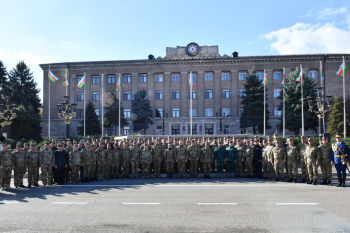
{"points": [[270, 167], [207, 155], [220, 156], [158, 155], [292, 160], [146, 159], [181, 158], [46, 160], [109, 161], [68, 170], [75, 162], [264, 159], [302, 148], [257, 158], [340, 156], [213, 146], [249, 156], [232, 156], [326, 166], [135, 160], [19, 163], [93, 160], [5, 166], [170, 158], [240, 158], [193, 151], [86, 161], [33, 166], [278, 155], [116, 161], [126, 155], [101, 162], [312, 159]]}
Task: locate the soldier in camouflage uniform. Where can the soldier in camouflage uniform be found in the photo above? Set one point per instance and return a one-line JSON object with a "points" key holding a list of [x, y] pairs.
{"points": [[158, 155], [126, 156], [101, 162], [93, 160], [312, 158], [302, 149], [47, 161], [213, 146], [194, 153], [109, 161], [231, 155], [68, 170], [5, 166], [19, 164], [248, 157], [207, 156], [116, 161], [264, 159], [135, 160], [146, 159], [75, 163], [240, 158], [326, 165], [270, 168], [181, 158], [278, 157], [86, 161], [33, 166], [170, 158], [292, 160]]}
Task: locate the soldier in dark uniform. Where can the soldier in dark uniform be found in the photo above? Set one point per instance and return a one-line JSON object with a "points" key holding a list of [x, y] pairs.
{"points": [[257, 150], [61, 162], [340, 157]]}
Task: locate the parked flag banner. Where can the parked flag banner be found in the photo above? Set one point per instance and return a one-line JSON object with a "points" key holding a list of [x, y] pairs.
{"points": [[118, 85], [284, 77], [191, 84], [52, 77], [82, 82], [342, 69], [65, 80], [266, 80], [300, 77]]}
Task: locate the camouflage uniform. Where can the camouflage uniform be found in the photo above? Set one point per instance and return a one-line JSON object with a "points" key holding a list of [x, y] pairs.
{"points": [[270, 168], [170, 158], [326, 166], [279, 156], [20, 163], [181, 157], [109, 161], [46, 160], [6, 168], [240, 156], [101, 165], [126, 155], [74, 163], [193, 156], [116, 163], [302, 150], [158, 154], [292, 162], [68, 169], [33, 167], [135, 161], [86, 160], [231, 155], [213, 146], [93, 165], [146, 159], [312, 156], [264, 161], [207, 155], [248, 157]]}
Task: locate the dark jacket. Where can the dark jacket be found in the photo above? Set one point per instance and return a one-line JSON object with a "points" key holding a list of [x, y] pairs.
{"points": [[61, 158], [257, 153]]}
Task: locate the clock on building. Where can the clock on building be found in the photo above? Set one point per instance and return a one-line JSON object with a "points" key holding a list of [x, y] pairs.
{"points": [[192, 49]]}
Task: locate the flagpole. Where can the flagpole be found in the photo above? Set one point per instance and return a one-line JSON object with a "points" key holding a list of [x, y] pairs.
{"points": [[119, 104], [191, 103], [84, 109], [66, 83], [284, 109], [302, 102], [344, 97], [102, 106], [49, 128], [264, 103]]}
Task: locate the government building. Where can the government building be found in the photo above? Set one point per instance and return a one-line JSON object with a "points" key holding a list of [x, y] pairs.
{"points": [[218, 80]]}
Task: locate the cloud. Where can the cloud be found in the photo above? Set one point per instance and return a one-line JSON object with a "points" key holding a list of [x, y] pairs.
{"points": [[250, 42], [323, 14], [302, 38]]}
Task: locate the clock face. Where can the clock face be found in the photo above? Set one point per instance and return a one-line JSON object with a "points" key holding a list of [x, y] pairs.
{"points": [[192, 49]]}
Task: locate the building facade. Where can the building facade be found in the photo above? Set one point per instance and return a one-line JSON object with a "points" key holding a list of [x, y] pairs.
{"points": [[218, 81]]}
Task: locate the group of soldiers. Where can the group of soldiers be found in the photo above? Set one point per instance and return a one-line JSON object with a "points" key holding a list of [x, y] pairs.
{"points": [[72, 162]]}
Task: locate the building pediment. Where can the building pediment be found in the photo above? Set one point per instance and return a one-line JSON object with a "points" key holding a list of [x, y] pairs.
{"points": [[182, 52]]}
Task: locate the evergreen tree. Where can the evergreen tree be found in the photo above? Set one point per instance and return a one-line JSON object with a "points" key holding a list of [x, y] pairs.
{"points": [[112, 112], [293, 103], [253, 104], [4, 84], [335, 123], [141, 107], [93, 124]]}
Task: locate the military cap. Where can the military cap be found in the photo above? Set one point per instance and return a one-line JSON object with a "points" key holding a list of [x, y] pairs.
{"points": [[19, 144], [4, 143], [32, 144], [310, 139], [231, 141], [291, 139], [238, 140], [302, 137], [47, 143], [264, 141], [102, 143], [32, 141], [220, 142], [269, 138], [279, 141], [338, 135], [93, 144], [25, 144], [249, 141], [228, 136]]}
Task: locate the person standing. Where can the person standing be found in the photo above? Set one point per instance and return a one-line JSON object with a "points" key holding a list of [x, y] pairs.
{"points": [[220, 156], [116, 161], [170, 158], [135, 160], [181, 158], [5, 166], [33, 166], [61, 161], [292, 160], [312, 158], [75, 162], [240, 158], [326, 166], [249, 156], [158, 155], [278, 155], [193, 151], [86, 161], [126, 155], [93, 165], [19, 163], [46, 160], [340, 157], [109, 161], [146, 159], [101, 161], [302, 149], [264, 159], [257, 159], [231, 156]]}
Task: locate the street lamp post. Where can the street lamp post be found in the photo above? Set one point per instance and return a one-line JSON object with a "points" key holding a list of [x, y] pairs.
{"points": [[164, 118], [67, 112], [220, 116], [321, 111], [8, 113]]}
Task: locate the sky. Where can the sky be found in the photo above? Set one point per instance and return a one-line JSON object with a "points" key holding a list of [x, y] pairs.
{"points": [[49, 31]]}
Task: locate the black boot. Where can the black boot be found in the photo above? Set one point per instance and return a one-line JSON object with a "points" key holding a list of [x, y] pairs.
{"points": [[314, 182], [295, 181], [340, 181], [290, 180], [29, 185], [344, 179], [303, 181], [168, 175], [330, 183], [309, 182], [324, 182]]}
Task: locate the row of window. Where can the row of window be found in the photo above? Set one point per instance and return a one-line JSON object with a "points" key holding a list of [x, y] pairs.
{"points": [[225, 76]]}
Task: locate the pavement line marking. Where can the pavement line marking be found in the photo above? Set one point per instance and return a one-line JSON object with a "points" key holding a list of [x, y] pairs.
{"points": [[185, 185], [70, 203], [9, 202], [217, 203], [129, 203], [296, 203]]}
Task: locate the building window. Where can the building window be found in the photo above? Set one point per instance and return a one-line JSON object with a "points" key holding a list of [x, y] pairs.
{"points": [[208, 76], [80, 96], [127, 112], [97, 111], [176, 95], [126, 130], [225, 112], [226, 129], [225, 93], [79, 78], [80, 113], [277, 75], [277, 112], [208, 93], [260, 75], [110, 131], [127, 78], [240, 112], [176, 78], [193, 94], [194, 77], [95, 79], [225, 76], [175, 129], [159, 112], [241, 93], [111, 78], [277, 92], [95, 96], [176, 112], [143, 78], [159, 95], [209, 129], [209, 112], [194, 112], [194, 129], [159, 78], [312, 74], [242, 75], [127, 95]]}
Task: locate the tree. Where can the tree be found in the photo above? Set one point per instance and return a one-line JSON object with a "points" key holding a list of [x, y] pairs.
{"points": [[253, 104], [112, 112], [4, 84], [293, 103], [93, 125], [335, 123], [141, 108]]}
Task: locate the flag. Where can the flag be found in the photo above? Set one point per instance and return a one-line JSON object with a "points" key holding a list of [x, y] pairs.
{"points": [[118, 85], [342, 69], [284, 77], [322, 72], [65, 80], [266, 80], [300, 77], [82, 82], [191, 84], [52, 77]]}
